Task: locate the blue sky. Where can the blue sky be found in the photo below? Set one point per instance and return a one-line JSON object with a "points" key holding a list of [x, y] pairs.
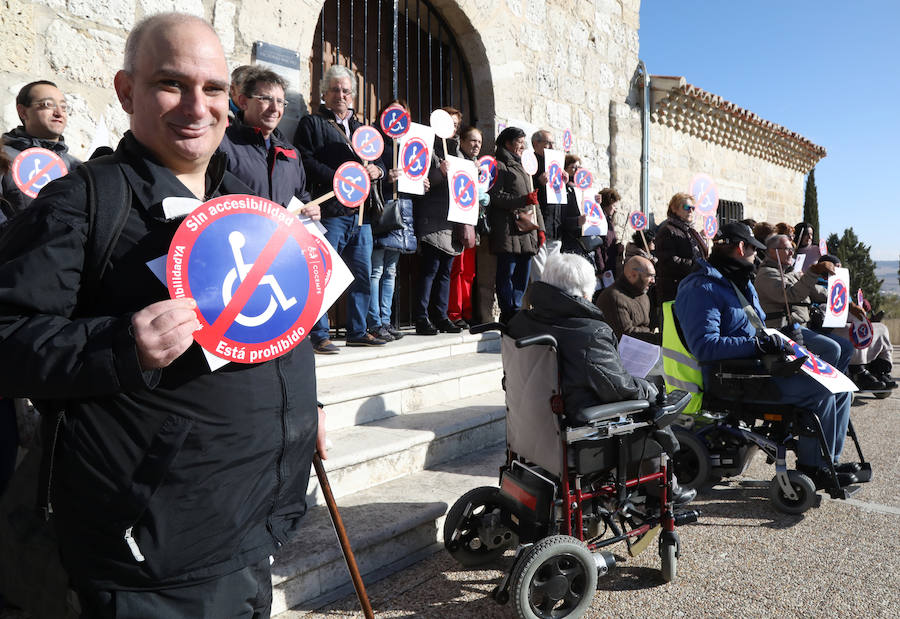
{"points": [[827, 70]]}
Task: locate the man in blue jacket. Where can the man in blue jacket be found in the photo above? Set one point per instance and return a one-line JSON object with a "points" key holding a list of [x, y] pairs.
{"points": [[710, 306], [257, 151]]}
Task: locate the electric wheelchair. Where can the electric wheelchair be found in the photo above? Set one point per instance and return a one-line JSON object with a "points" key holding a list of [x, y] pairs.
{"points": [[572, 485], [721, 438]]}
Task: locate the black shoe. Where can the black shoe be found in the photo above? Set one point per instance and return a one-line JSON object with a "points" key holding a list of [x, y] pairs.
{"points": [[395, 333], [382, 334], [325, 347], [445, 326], [847, 467], [822, 477], [888, 381], [683, 496], [424, 327], [878, 316], [866, 381], [367, 340], [461, 323]]}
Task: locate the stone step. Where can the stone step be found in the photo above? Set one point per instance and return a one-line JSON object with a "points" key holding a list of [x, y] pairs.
{"points": [[408, 350], [393, 389], [366, 455], [390, 527]]}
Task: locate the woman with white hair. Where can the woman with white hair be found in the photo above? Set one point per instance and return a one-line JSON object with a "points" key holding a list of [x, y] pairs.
{"points": [[591, 369]]}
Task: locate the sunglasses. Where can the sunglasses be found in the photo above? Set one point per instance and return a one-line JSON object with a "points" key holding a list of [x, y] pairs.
{"points": [[688, 207]]}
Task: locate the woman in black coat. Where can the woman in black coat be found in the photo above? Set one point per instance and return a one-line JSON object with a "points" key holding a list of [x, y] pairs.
{"points": [[678, 246]]}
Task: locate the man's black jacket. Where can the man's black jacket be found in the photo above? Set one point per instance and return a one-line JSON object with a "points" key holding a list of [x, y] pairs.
{"points": [[208, 470]]}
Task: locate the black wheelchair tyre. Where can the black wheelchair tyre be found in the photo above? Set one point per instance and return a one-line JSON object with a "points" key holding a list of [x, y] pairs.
{"points": [[468, 549], [804, 488], [557, 577], [691, 461]]}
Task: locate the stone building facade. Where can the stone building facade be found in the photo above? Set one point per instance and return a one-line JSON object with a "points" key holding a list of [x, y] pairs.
{"points": [[555, 64]]}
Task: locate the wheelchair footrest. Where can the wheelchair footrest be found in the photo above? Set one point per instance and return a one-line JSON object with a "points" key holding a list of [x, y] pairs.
{"points": [[844, 492], [864, 474]]}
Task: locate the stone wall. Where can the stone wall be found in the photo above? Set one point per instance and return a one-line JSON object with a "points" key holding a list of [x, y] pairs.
{"points": [[769, 192]]}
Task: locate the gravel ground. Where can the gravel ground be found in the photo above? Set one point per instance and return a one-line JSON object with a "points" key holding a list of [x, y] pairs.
{"points": [[743, 559]]}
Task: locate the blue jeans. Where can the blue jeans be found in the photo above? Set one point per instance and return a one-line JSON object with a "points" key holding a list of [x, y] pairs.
{"points": [[512, 279], [354, 243], [434, 282], [381, 295]]}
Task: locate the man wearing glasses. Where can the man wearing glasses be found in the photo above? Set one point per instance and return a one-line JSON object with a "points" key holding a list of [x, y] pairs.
{"points": [[324, 141], [256, 150], [42, 108]]}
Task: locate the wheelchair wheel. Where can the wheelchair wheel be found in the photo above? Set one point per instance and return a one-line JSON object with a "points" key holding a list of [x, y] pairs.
{"points": [[804, 488], [691, 461], [477, 511], [557, 577], [668, 554]]}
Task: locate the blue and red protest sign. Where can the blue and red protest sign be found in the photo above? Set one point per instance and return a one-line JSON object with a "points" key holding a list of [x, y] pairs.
{"points": [[367, 143], [487, 172], [257, 274], [351, 184], [34, 168], [414, 159], [463, 192], [837, 299], [583, 179], [861, 332], [567, 140], [394, 121], [638, 220], [705, 194], [819, 370], [555, 177], [710, 226]]}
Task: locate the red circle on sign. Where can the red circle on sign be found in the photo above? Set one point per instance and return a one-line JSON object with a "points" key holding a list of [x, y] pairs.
{"points": [[710, 226], [470, 184], [360, 183], [401, 121], [638, 220], [367, 136], [211, 336], [424, 152], [487, 166], [529, 162], [53, 170], [705, 193], [567, 140]]}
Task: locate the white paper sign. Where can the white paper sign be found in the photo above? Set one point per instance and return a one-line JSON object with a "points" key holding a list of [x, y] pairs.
{"points": [[413, 168], [837, 302], [595, 223], [553, 166], [638, 356], [819, 370], [462, 185]]}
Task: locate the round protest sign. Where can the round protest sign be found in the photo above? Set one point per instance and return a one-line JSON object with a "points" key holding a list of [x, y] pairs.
{"points": [[813, 364], [861, 333], [442, 123], [351, 184], [367, 143], [638, 220], [529, 162], [487, 172], [567, 140], [837, 301], [705, 193], [34, 168], [583, 179], [414, 159], [394, 121], [256, 274], [555, 176], [710, 226], [464, 193], [860, 299], [823, 247]]}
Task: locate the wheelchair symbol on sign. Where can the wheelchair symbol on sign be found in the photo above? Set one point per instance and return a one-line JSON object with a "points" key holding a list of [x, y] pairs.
{"points": [[415, 158], [838, 298], [43, 177], [239, 272], [464, 190]]}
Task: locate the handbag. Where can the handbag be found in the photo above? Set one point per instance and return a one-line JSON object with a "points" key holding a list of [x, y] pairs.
{"points": [[525, 220], [590, 243], [387, 220]]}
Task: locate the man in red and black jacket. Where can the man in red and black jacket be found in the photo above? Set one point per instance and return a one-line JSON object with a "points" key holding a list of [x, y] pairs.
{"points": [[257, 152]]}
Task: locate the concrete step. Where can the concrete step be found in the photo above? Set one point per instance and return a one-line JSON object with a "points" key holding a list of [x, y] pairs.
{"points": [[408, 350], [393, 389], [366, 455], [390, 527]]}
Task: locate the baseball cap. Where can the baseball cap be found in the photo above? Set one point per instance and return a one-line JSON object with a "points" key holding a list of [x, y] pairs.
{"points": [[736, 231]]}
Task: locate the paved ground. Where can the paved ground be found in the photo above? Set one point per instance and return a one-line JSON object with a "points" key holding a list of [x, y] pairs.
{"points": [[743, 559]]}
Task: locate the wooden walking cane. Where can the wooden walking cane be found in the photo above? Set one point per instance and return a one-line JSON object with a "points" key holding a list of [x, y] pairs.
{"points": [[343, 539]]}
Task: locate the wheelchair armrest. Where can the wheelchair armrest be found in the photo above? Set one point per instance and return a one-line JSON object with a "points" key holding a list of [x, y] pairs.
{"points": [[544, 338], [675, 402], [593, 414], [738, 365], [487, 326]]}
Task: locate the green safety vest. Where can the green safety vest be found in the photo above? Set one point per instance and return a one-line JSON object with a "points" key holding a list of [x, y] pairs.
{"points": [[680, 367]]}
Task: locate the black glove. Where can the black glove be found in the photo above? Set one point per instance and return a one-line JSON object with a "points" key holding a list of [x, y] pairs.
{"points": [[767, 344]]}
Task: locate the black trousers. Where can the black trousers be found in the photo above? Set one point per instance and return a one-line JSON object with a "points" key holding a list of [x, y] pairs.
{"points": [[434, 282], [245, 594]]}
